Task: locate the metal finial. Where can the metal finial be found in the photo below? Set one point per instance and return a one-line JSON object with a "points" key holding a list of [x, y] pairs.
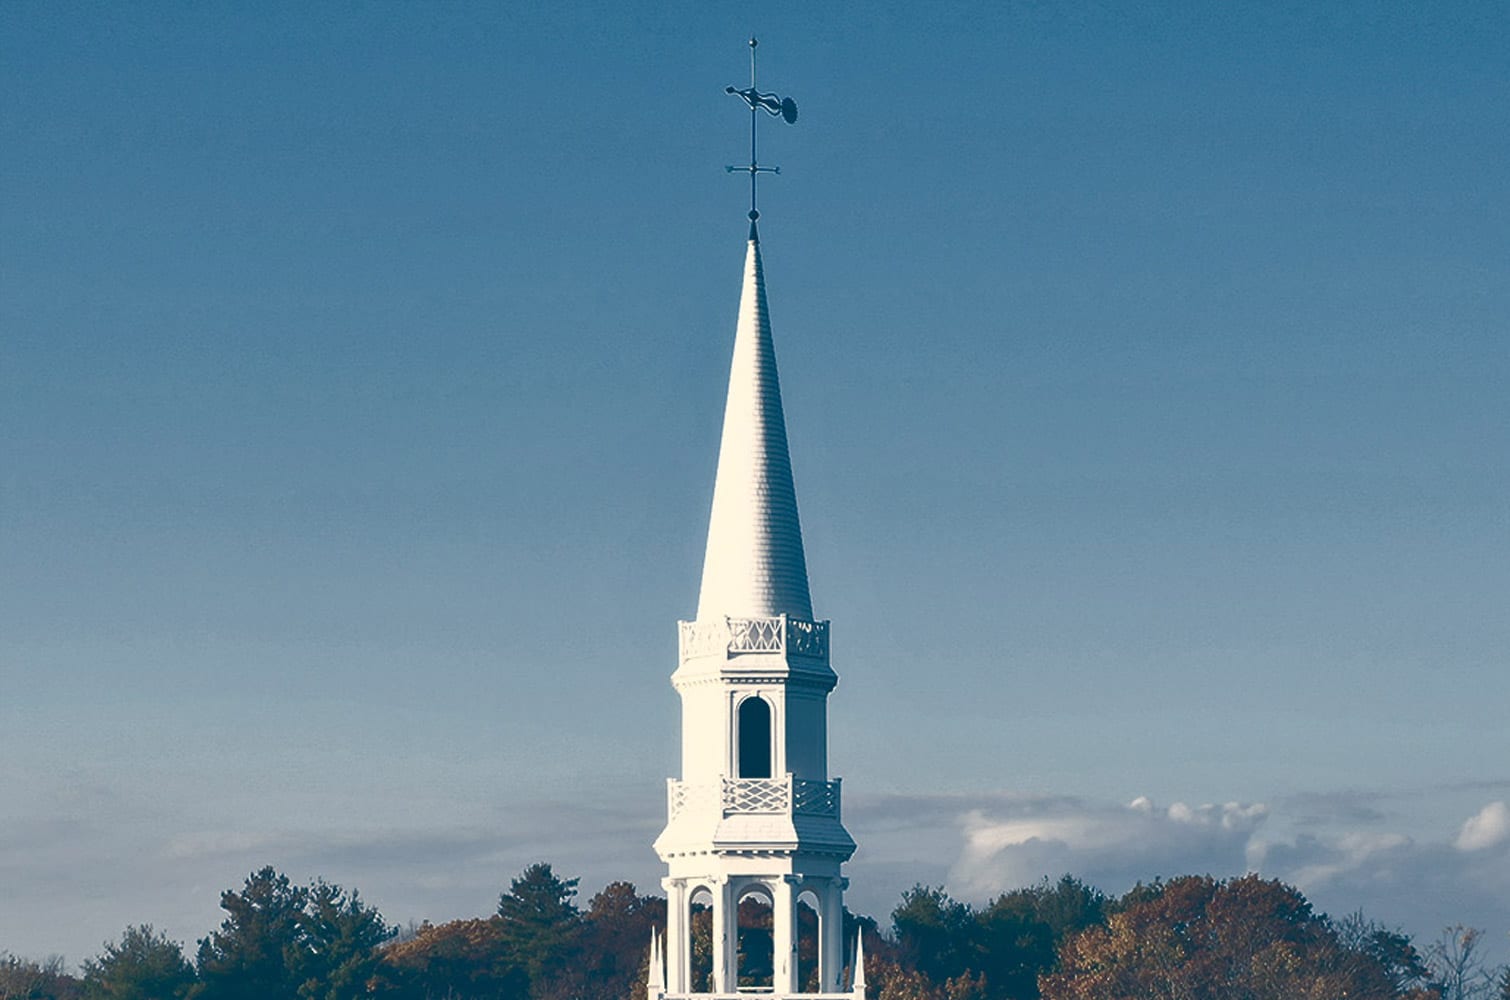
{"points": [[772, 104]]}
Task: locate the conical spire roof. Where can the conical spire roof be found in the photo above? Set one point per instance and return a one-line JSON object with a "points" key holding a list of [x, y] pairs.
{"points": [[754, 566]]}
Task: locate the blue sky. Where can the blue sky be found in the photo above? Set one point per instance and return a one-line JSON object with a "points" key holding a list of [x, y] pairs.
{"points": [[1146, 371]]}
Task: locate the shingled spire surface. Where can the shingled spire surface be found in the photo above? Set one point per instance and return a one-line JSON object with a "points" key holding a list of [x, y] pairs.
{"points": [[754, 566]]}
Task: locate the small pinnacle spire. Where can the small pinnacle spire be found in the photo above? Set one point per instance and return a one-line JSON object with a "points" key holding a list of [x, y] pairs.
{"points": [[857, 980], [657, 980]]}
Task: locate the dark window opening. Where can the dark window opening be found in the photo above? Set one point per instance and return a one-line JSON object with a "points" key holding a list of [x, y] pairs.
{"points": [[754, 738]]}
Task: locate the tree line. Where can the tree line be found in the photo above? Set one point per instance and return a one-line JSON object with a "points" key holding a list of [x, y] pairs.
{"points": [[1189, 938]]}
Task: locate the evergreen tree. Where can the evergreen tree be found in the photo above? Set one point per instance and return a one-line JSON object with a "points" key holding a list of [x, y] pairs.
{"points": [[1013, 945], [341, 941], [539, 925], [934, 932], [143, 965], [257, 951]]}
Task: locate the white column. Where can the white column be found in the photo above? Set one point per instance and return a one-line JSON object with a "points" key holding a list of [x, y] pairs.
{"points": [[825, 962], [725, 936], [784, 935], [831, 934], [677, 928], [731, 929]]}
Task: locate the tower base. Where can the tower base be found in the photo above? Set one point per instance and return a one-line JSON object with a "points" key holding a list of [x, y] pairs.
{"points": [[656, 986], [858, 993]]}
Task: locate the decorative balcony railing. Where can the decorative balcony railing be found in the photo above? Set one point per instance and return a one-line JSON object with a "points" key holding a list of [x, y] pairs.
{"points": [[732, 796], [733, 636]]}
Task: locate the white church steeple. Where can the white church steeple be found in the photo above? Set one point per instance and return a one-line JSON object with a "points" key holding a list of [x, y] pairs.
{"points": [[754, 812]]}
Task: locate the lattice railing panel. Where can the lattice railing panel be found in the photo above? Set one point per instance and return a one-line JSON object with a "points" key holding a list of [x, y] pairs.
{"points": [[757, 795], [755, 635], [732, 636], [732, 796], [704, 638], [805, 638], [815, 798], [682, 796]]}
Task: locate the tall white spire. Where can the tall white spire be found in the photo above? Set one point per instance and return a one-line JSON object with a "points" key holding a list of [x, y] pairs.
{"points": [[754, 812], [754, 565]]}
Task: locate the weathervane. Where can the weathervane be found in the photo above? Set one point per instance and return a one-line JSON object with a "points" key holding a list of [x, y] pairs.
{"points": [[771, 104]]}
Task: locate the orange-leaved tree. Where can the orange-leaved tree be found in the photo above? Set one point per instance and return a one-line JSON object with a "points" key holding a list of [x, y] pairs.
{"points": [[1195, 938]]}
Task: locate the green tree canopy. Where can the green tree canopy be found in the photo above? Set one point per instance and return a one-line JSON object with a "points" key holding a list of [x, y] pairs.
{"points": [[340, 944], [143, 965], [539, 924], [255, 953], [934, 932], [281, 941]]}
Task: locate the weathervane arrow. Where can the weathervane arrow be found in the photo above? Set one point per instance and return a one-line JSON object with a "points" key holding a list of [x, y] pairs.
{"points": [[772, 104]]}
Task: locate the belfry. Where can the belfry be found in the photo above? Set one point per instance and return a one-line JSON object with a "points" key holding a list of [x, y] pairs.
{"points": [[754, 813]]}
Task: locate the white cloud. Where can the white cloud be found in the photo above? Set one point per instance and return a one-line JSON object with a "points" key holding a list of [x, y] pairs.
{"points": [[1342, 854], [221, 843], [1487, 828], [1017, 843], [1346, 851]]}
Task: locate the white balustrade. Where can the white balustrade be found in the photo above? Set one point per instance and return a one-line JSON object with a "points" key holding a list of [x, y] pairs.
{"points": [[733, 636], [734, 796]]}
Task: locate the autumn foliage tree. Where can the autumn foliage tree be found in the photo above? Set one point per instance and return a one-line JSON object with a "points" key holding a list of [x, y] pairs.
{"points": [[459, 960], [1196, 937], [24, 979], [615, 939]]}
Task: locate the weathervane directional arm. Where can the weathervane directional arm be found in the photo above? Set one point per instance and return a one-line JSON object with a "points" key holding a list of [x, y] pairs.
{"points": [[772, 104]]}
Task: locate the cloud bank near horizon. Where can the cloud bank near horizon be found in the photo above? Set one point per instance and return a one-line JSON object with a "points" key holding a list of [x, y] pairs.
{"points": [[69, 889], [1345, 854]]}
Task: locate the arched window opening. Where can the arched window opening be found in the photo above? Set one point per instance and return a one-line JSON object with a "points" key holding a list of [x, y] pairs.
{"points": [[807, 943], [754, 738], [700, 940], [757, 953]]}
